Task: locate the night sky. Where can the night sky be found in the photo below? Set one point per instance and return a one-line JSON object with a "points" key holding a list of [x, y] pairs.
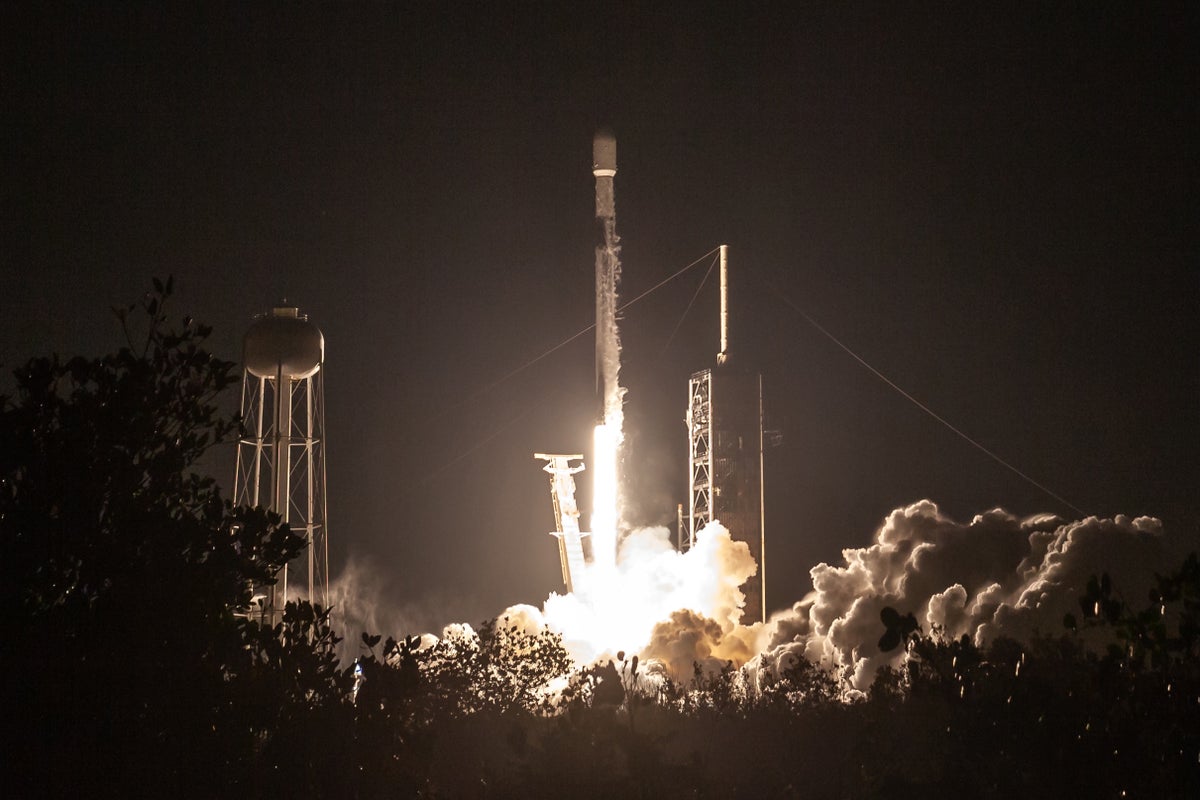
{"points": [[995, 208]]}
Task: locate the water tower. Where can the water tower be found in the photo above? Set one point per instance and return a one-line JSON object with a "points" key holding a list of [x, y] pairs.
{"points": [[281, 456]]}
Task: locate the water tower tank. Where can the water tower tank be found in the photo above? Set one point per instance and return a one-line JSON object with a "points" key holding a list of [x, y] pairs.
{"points": [[283, 341]]}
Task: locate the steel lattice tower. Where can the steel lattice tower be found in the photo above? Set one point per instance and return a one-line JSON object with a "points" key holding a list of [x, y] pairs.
{"points": [[281, 456]]}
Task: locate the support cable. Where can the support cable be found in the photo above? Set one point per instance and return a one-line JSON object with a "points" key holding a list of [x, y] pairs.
{"points": [[679, 324], [512, 373], [863, 362], [478, 444], [518, 370]]}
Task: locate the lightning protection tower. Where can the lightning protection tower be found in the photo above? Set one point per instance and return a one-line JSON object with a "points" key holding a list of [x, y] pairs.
{"points": [[725, 456], [281, 457]]}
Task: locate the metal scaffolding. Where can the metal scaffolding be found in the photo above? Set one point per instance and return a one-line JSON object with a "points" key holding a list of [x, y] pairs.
{"points": [[700, 455]]}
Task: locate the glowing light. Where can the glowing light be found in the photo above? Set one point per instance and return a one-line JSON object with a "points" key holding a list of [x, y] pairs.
{"points": [[636, 582], [607, 440], [660, 603], [641, 596]]}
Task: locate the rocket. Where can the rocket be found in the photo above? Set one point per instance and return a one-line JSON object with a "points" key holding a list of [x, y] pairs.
{"points": [[604, 165], [608, 273], [609, 394]]}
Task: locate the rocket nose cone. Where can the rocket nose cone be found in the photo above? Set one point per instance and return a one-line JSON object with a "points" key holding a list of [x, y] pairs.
{"points": [[604, 151]]}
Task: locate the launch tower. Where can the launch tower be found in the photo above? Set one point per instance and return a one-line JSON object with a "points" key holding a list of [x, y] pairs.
{"points": [[281, 457], [725, 456]]}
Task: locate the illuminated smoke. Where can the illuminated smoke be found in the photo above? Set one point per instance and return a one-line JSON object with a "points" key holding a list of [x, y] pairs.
{"points": [[665, 605], [997, 575], [607, 443]]}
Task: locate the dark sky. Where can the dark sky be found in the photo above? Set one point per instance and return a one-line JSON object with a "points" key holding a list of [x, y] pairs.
{"points": [[997, 208]]}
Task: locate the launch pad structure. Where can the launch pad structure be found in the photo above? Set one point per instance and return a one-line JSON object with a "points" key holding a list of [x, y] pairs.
{"points": [[724, 419], [725, 456]]}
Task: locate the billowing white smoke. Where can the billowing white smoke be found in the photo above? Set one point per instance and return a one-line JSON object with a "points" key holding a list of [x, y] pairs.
{"points": [[995, 576], [675, 608], [998, 575]]}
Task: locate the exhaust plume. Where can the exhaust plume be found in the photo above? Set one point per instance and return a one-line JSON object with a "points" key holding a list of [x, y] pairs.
{"points": [[665, 605], [997, 575]]}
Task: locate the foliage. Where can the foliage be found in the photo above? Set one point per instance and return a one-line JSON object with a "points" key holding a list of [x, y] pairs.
{"points": [[122, 570], [1022, 719], [800, 685], [896, 629], [501, 668], [1151, 638]]}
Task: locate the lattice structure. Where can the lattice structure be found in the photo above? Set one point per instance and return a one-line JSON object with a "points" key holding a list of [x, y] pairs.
{"points": [[725, 455], [700, 455], [281, 455], [725, 466]]}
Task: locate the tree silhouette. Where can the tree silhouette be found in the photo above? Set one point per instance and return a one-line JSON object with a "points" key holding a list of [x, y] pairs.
{"points": [[123, 570]]}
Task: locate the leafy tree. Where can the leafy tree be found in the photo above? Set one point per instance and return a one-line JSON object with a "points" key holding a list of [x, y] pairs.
{"points": [[1048, 717], [442, 717], [122, 569], [1150, 677], [801, 684], [500, 668]]}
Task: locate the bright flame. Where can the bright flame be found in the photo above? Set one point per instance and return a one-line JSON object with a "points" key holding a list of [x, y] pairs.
{"points": [[607, 439], [641, 596], [631, 605]]}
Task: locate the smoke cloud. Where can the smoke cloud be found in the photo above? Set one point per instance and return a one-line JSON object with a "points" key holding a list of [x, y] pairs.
{"points": [[997, 575], [671, 607]]}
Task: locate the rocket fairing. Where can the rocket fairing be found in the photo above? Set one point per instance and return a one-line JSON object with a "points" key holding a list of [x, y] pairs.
{"points": [[608, 274], [604, 155]]}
